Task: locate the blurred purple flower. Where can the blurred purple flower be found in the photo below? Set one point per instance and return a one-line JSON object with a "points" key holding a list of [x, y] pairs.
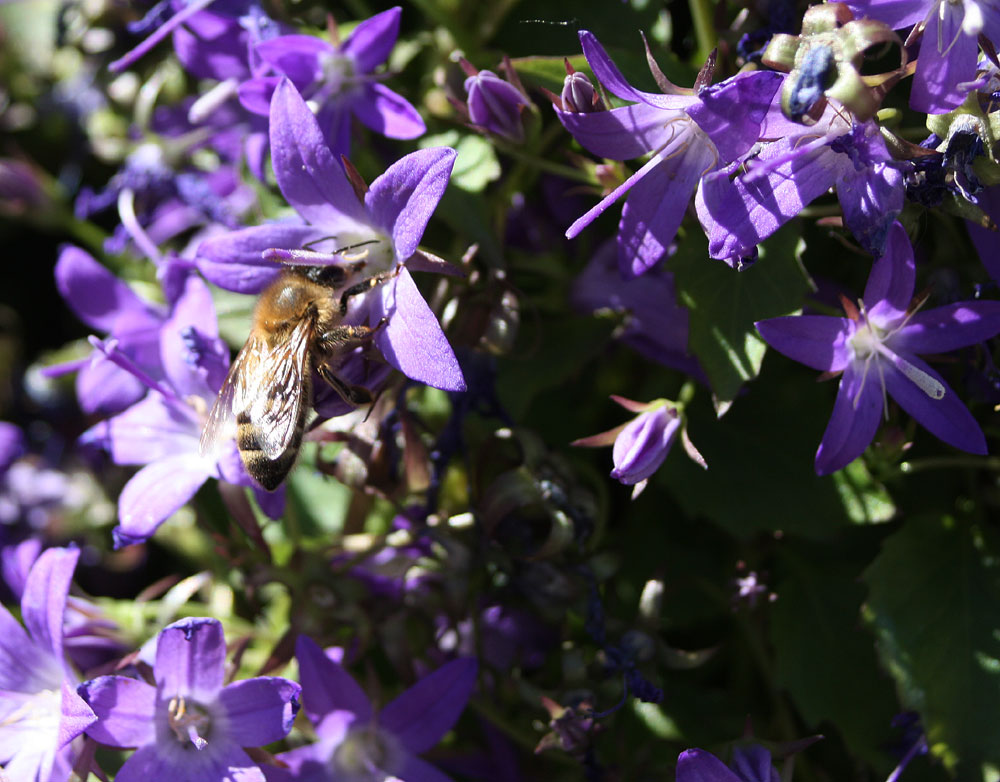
{"points": [[190, 726], [12, 445], [495, 106], [337, 81], [687, 135], [949, 47], [788, 174], [163, 430], [655, 325], [876, 348], [40, 712], [987, 242], [750, 764], [354, 743], [387, 225], [107, 304]]}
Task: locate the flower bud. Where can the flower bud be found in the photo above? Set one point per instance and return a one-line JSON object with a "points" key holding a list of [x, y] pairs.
{"points": [[495, 105], [644, 443], [578, 94]]}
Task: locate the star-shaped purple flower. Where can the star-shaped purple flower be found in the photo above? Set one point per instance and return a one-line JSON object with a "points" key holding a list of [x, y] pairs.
{"points": [[750, 764], [357, 745], [686, 135], [40, 712], [387, 227], [338, 81], [188, 726], [876, 348], [949, 46]]}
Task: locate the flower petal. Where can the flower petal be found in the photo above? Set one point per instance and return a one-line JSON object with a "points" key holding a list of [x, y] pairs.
{"points": [[414, 769], [893, 275], [871, 200], [946, 328], [152, 429], [23, 668], [855, 418], [731, 113], [125, 710], [620, 134], [412, 339], [402, 200], [155, 492], [296, 56], [656, 205], [190, 659], [44, 600], [818, 341], [255, 94], [104, 388], [388, 113], [309, 177], [420, 716], [372, 40], [96, 296], [195, 360], [332, 700], [936, 83], [946, 418], [233, 260], [697, 765], [76, 715], [260, 710]]}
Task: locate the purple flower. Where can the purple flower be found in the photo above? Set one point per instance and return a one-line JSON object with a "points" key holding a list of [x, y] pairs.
{"points": [[107, 304], [338, 81], [387, 226], [163, 431], [788, 174], [687, 136], [188, 725], [495, 106], [949, 48], [877, 347], [750, 764], [654, 324], [12, 445], [356, 744], [40, 712]]}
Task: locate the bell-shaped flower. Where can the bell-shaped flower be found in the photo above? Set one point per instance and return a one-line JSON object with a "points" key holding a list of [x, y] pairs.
{"points": [[385, 226], [40, 711], [187, 725], [876, 347], [949, 44], [356, 743], [685, 134], [338, 81]]}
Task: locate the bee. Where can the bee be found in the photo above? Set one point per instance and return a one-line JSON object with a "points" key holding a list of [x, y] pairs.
{"points": [[296, 328]]}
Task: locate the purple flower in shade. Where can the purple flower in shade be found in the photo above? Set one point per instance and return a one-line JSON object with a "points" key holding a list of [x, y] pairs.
{"points": [[385, 227], [338, 81], [788, 174], [188, 726], [655, 325], [949, 44], [40, 712], [988, 242], [494, 105], [357, 745], [687, 135], [12, 445], [163, 430], [107, 304], [641, 445], [750, 764], [876, 348]]}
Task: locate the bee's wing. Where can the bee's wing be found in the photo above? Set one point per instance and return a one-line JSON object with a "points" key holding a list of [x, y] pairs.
{"points": [[274, 406], [233, 396]]}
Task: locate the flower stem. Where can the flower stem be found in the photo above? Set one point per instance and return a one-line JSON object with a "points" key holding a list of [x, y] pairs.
{"points": [[702, 12]]}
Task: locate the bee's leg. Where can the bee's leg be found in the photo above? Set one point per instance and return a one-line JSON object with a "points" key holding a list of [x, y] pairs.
{"points": [[363, 287], [353, 395]]}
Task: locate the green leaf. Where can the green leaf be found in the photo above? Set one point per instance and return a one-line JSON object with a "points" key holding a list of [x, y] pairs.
{"points": [[548, 72], [823, 658], [935, 606], [864, 499], [725, 303], [476, 165]]}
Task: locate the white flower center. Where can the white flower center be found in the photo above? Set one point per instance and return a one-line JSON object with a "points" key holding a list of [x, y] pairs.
{"points": [[366, 755], [190, 721], [868, 345]]}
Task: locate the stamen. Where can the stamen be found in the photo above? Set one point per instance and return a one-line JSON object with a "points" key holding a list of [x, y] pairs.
{"points": [[126, 211]]}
